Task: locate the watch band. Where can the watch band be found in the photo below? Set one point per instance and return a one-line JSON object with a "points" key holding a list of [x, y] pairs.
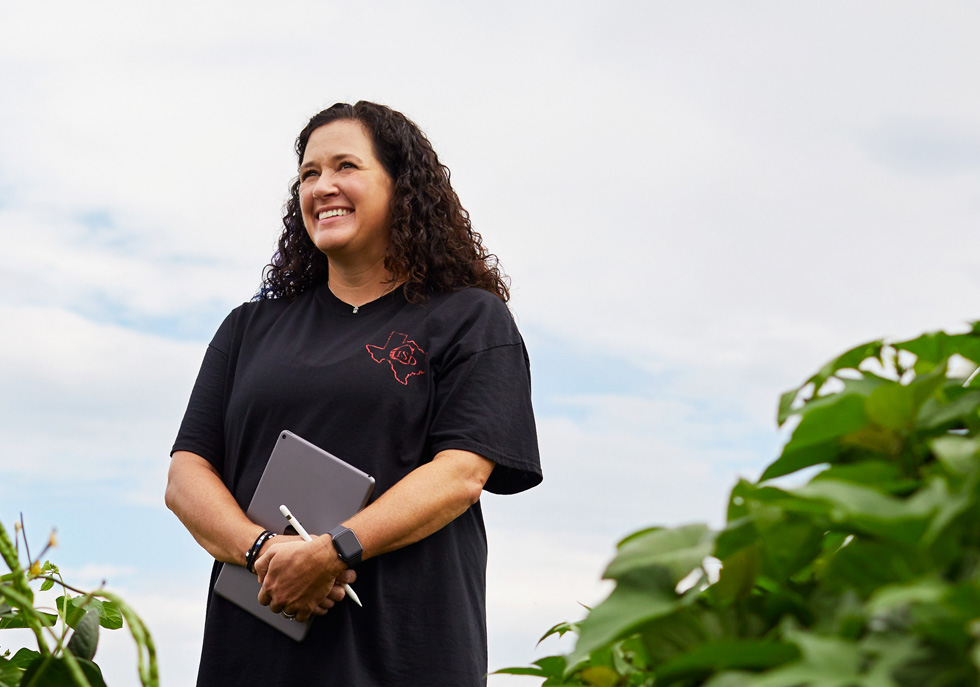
{"points": [[347, 544]]}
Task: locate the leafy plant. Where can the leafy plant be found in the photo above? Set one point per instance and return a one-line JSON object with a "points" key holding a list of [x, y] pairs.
{"points": [[866, 575], [68, 633]]}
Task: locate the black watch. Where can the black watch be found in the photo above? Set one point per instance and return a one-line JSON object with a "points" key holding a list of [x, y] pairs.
{"points": [[347, 544]]}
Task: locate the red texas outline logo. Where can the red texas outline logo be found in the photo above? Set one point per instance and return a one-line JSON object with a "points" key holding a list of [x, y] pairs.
{"points": [[404, 355]]}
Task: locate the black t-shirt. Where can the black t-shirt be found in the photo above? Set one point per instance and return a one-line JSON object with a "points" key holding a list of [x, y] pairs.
{"points": [[384, 388]]}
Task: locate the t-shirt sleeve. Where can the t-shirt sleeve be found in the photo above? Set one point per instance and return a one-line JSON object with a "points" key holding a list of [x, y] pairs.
{"points": [[202, 429], [483, 405]]}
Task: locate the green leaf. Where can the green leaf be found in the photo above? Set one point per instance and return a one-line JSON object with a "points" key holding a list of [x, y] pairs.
{"points": [[891, 406], [817, 438], [956, 413], [888, 597], [9, 674], [824, 662], [24, 657], [737, 577], [85, 639], [958, 454], [839, 417], [848, 360], [561, 629], [734, 678], [678, 551], [640, 595], [935, 347], [18, 620], [726, 654], [536, 672], [47, 584], [51, 671], [110, 617], [883, 476], [867, 565], [867, 510]]}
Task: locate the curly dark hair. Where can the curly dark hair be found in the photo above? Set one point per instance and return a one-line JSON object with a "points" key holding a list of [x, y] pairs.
{"points": [[433, 247]]}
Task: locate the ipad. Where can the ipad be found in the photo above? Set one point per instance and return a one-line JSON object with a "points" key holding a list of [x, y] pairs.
{"points": [[320, 489]]}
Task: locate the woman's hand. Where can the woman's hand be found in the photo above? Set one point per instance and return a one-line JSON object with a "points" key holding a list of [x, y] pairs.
{"points": [[301, 578]]}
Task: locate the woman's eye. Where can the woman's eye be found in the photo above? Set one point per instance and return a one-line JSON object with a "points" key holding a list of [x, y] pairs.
{"points": [[307, 174], [346, 165]]}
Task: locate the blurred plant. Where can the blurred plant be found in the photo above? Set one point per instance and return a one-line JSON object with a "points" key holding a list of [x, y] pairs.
{"points": [[867, 575], [67, 637]]}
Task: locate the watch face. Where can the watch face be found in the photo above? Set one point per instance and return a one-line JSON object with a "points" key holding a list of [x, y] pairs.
{"points": [[347, 544]]}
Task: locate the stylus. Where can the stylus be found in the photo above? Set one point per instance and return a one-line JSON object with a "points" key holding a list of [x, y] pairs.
{"points": [[294, 521]]}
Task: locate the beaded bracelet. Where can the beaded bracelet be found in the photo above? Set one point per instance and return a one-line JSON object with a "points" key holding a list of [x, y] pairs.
{"points": [[251, 554]]}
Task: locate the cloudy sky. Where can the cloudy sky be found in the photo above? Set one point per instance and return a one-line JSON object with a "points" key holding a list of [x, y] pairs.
{"points": [[698, 204]]}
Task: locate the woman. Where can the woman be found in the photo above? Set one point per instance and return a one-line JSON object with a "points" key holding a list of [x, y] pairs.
{"points": [[380, 334]]}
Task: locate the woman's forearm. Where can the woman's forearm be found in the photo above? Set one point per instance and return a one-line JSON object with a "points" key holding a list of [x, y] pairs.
{"points": [[421, 503], [198, 497]]}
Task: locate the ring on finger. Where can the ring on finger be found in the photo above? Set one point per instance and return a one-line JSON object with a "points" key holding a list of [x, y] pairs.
{"points": [[288, 616]]}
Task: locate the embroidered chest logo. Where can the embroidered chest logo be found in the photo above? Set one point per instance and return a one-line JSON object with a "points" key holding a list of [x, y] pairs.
{"points": [[404, 355]]}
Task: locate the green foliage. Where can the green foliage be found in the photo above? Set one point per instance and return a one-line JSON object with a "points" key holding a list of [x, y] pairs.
{"points": [[67, 634], [866, 575]]}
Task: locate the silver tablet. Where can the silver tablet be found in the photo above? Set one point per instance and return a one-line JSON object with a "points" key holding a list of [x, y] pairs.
{"points": [[320, 489]]}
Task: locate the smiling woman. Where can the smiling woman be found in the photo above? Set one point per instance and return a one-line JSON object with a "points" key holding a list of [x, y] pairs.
{"points": [[432, 245], [381, 334], [344, 195]]}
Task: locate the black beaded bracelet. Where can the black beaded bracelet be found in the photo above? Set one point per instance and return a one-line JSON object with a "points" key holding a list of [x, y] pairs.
{"points": [[256, 547]]}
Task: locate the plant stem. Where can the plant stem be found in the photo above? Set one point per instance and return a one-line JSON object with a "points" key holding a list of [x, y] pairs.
{"points": [[9, 553]]}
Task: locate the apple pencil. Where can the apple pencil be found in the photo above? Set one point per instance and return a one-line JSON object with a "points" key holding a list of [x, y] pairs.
{"points": [[306, 537]]}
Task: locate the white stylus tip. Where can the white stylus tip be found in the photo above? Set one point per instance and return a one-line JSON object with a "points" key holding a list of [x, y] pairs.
{"points": [[285, 511]]}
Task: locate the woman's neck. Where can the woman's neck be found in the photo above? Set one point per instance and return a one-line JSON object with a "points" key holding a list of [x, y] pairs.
{"points": [[359, 286]]}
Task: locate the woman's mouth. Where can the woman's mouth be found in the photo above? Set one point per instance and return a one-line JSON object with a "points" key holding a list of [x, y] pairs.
{"points": [[337, 212]]}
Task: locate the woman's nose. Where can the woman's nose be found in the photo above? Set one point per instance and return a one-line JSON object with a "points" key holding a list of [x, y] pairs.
{"points": [[324, 186]]}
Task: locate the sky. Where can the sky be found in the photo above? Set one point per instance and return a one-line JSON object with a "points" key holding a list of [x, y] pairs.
{"points": [[698, 204]]}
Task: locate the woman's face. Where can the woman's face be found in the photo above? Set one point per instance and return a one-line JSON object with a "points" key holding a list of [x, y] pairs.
{"points": [[344, 193]]}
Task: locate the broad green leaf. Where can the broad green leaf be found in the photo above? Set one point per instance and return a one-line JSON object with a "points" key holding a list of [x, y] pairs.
{"points": [[848, 360], [726, 654], [677, 550], [738, 535], [736, 579], [110, 617], [789, 543], [672, 635], [888, 597], [50, 671], [892, 406], [18, 619], [640, 595], [882, 475], [845, 414], [24, 657], [867, 565], [959, 455], [961, 411], [10, 674], [733, 678], [600, 676], [933, 348], [85, 639], [824, 662], [817, 438], [868, 510], [797, 457]]}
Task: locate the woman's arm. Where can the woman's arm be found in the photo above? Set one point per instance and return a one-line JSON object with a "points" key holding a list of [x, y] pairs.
{"points": [[295, 574], [424, 501], [202, 502]]}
